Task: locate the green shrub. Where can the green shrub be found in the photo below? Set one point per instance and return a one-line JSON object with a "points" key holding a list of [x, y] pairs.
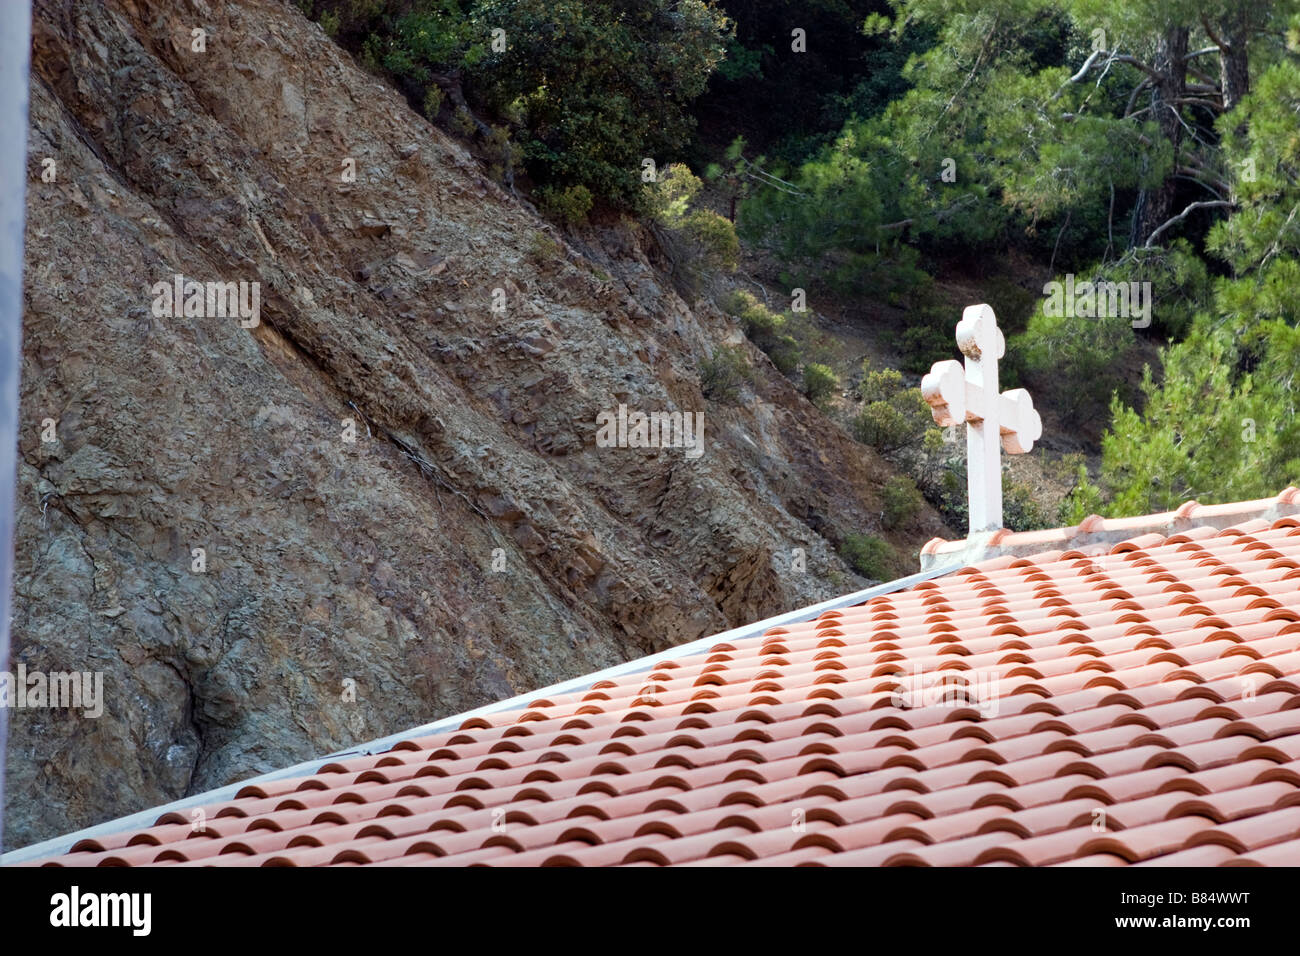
{"points": [[883, 427], [701, 237], [569, 205], [879, 385], [737, 302], [432, 102], [592, 86], [714, 238], [1076, 361], [501, 156], [902, 501], [784, 353], [1012, 303], [766, 329], [668, 197], [1083, 499], [462, 123], [761, 324], [542, 248], [755, 318], [409, 40], [597, 84], [819, 382], [927, 339], [1020, 512], [723, 374], [900, 422], [871, 557], [1208, 428]]}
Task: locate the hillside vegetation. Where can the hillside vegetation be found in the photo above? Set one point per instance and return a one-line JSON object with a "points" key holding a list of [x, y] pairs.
{"points": [[873, 152]]}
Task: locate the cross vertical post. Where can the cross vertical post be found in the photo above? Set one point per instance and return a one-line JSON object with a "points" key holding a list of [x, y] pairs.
{"points": [[983, 463]]}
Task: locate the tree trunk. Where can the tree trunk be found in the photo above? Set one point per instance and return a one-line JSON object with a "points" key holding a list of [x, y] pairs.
{"points": [[1156, 205], [1234, 32]]}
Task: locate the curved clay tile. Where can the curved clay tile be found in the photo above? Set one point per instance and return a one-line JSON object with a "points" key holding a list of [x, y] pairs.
{"points": [[1286, 853], [1151, 840], [1186, 734], [1267, 726], [1128, 814], [1236, 804], [1274, 702], [946, 828], [1094, 860], [1202, 756], [1123, 787], [1202, 856], [1252, 833], [1047, 818], [962, 852]]}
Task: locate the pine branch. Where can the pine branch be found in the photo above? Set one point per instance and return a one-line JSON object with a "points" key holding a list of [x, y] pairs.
{"points": [[1192, 207]]}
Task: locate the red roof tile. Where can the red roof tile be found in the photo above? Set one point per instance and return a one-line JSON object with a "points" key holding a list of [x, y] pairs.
{"points": [[1111, 702]]}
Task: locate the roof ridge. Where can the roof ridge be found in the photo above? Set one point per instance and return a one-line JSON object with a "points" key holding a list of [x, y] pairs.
{"points": [[1094, 533]]}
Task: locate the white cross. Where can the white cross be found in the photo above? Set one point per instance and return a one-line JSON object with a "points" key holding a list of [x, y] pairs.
{"points": [[970, 395]]}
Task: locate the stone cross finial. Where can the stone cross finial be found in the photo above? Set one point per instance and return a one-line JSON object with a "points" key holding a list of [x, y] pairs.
{"points": [[970, 395]]}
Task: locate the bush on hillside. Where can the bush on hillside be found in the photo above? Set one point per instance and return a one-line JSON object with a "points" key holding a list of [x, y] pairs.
{"points": [[699, 238], [569, 204], [819, 382], [902, 501], [872, 557], [724, 373], [897, 423], [879, 385], [597, 85], [766, 329], [1076, 362]]}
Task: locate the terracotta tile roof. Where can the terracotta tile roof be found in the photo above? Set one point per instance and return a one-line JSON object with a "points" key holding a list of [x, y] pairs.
{"points": [[1135, 703]]}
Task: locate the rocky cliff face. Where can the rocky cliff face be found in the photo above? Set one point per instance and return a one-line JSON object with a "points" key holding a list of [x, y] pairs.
{"points": [[385, 502]]}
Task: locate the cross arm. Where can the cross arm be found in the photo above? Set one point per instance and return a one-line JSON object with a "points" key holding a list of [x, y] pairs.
{"points": [[1018, 421]]}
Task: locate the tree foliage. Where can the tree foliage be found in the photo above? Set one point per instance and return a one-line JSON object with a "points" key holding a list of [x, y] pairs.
{"points": [[587, 88], [1220, 423], [596, 86], [1152, 143]]}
